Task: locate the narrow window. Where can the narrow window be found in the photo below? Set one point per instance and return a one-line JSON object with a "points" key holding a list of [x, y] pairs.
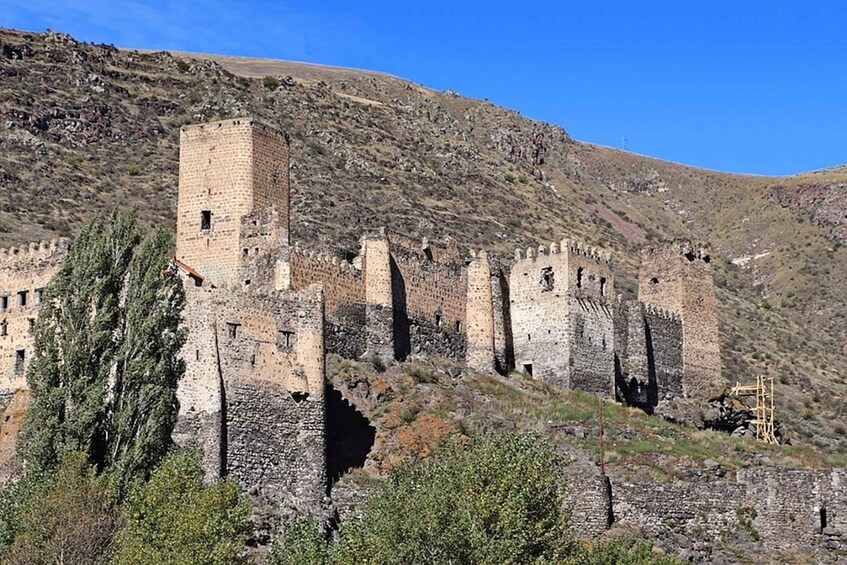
{"points": [[579, 277], [529, 337], [4, 328], [253, 360], [31, 324], [527, 368], [4, 302], [458, 326], [232, 328], [246, 251], [256, 252], [547, 279], [20, 359], [39, 295], [285, 339], [206, 220], [602, 286], [22, 298], [438, 321], [197, 355]]}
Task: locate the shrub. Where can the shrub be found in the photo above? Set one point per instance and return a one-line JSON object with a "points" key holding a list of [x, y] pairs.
{"points": [[271, 83], [70, 521], [620, 552], [175, 518]]}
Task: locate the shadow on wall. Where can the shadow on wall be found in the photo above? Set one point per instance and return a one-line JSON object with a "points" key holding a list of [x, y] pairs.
{"points": [[402, 334], [633, 392], [349, 436]]}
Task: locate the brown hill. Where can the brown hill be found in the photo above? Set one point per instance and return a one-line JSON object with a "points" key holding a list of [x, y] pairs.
{"points": [[84, 128]]}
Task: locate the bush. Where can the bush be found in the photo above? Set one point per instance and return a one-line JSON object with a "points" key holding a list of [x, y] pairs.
{"points": [[271, 83], [301, 544], [70, 521], [175, 518], [494, 500]]}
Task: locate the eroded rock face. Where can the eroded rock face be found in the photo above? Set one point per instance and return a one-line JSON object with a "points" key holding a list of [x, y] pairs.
{"points": [[826, 204]]}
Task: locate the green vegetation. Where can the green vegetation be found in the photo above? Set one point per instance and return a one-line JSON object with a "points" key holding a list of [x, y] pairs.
{"points": [[67, 519], [104, 374], [271, 83], [175, 518], [491, 499]]}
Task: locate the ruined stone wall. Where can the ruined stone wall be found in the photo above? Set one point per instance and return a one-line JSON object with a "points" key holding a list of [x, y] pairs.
{"points": [[799, 508], [429, 300], [227, 170], [665, 350], [648, 350], [24, 273], [681, 515], [589, 501], [266, 351], [592, 339], [344, 291], [380, 310], [677, 276]]}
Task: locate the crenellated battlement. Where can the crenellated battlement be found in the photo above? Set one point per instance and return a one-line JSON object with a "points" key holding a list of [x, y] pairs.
{"points": [[682, 248], [35, 250], [660, 312], [565, 246], [326, 258]]}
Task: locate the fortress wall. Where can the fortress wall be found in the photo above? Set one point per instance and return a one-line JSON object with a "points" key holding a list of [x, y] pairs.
{"points": [[589, 501], [793, 506], [632, 364], [24, 273], [200, 391], [267, 351], [429, 300], [664, 340], [678, 514], [504, 354], [344, 291], [592, 338]]}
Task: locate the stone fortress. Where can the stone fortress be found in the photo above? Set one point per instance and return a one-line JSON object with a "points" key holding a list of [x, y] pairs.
{"points": [[263, 312]]}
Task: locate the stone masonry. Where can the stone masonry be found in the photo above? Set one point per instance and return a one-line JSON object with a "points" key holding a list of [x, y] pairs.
{"points": [[263, 311]]}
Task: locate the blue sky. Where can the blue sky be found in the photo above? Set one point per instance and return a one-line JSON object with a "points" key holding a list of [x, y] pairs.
{"points": [[746, 86]]}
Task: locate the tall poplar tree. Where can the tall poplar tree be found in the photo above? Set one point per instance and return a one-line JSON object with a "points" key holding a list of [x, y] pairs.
{"points": [[106, 365]]}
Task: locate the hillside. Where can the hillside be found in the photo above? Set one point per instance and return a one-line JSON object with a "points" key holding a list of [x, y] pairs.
{"points": [[84, 128]]}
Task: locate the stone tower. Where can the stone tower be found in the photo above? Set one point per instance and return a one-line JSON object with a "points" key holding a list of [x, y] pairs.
{"points": [[233, 199], [677, 276]]}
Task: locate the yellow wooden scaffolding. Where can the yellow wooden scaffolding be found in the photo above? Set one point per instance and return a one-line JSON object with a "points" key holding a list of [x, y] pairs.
{"points": [[763, 413]]}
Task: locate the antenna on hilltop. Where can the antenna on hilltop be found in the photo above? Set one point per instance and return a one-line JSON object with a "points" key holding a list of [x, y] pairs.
{"points": [[624, 141]]}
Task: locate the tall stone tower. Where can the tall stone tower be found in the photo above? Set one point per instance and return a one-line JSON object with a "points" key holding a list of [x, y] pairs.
{"points": [[677, 276], [233, 199]]}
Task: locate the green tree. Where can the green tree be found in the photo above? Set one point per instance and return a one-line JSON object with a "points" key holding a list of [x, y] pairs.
{"points": [[620, 552], [106, 366], [69, 520], [175, 518]]}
